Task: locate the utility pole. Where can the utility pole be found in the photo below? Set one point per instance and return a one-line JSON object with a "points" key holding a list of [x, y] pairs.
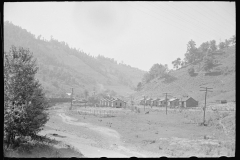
{"points": [[94, 90], [71, 98], [166, 101], [144, 102], [204, 108]]}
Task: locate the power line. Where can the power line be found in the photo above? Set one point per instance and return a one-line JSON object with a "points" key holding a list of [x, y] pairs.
{"points": [[206, 16], [194, 19], [224, 9], [213, 11], [186, 26], [172, 15], [172, 25], [197, 26]]}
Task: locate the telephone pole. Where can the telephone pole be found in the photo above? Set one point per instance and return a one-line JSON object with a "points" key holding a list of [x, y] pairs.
{"points": [[144, 101], [166, 101], [71, 98], [204, 108]]}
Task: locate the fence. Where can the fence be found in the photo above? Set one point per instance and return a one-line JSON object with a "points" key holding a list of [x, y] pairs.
{"points": [[59, 100], [101, 113]]}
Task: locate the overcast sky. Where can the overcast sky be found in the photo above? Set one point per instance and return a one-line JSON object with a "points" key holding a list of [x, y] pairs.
{"points": [[138, 33]]}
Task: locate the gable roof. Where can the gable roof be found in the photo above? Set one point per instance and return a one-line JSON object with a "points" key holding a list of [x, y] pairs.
{"points": [[156, 99], [149, 99], [173, 99], [186, 98]]}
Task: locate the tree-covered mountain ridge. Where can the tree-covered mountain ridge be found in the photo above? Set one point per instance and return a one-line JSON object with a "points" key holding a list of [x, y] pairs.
{"points": [[62, 67]]}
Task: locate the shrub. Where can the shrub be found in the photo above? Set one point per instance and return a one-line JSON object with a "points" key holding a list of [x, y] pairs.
{"points": [[191, 71], [208, 63]]}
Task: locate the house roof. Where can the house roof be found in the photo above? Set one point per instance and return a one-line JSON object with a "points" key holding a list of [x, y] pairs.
{"points": [[149, 99], [185, 98], [162, 100], [117, 99], [173, 99]]}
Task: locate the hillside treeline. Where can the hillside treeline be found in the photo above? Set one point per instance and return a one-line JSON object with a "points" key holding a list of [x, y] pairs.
{"points": [[62, 67], [204, 55]]}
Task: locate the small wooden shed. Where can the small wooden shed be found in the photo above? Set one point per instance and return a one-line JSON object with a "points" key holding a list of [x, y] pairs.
{"points": [[188, 102]]}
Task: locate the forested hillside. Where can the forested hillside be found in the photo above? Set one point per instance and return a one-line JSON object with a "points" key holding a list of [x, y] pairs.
{"points": [[62, 67], [208, 65]]}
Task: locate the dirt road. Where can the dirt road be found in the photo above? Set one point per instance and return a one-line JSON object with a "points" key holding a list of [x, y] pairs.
{"points": [[110, 136], [106, 141]]}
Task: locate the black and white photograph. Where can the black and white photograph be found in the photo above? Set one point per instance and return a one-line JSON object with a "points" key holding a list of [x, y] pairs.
{"points": [[119, 79]]}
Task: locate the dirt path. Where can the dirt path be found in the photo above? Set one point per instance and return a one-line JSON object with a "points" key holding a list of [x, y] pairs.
{"points": [[113, 147], [82, 145]]}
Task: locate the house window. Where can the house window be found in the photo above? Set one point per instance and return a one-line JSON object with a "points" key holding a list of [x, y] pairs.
{"points": [[116, 103], [120, 104]]}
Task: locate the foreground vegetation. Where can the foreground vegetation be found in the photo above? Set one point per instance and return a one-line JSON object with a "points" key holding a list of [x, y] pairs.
{"points": [[43, 147], [25, 104]]}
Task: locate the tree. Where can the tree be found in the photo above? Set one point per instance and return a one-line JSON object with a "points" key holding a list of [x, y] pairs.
{"points": [[146, 78], [139, 86], [202, 50], [227, 43], [233, 40], [176, 63], [166, 69], [191, 71], [213, 46], [204, 47], [190, 55], [157, 70], [208, 63], [221, 45], [24, 100]]}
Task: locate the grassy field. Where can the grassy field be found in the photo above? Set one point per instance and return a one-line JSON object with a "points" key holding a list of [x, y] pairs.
{"points": [[179, 133]]}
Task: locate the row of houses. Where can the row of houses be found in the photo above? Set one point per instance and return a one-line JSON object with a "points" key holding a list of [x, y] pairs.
{"points": [[172, 102], [112, 102]]}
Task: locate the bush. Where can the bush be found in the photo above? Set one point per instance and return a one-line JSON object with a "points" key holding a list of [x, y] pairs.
{"points": [[191, 71], [208, 63], [24, 100]]}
